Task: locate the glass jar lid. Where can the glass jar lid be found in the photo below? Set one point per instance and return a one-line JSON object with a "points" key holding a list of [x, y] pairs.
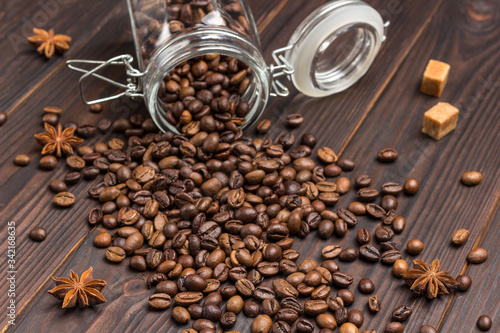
{"points": [[334, 47]]}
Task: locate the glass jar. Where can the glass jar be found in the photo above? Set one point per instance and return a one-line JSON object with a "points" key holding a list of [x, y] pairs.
{"points": [[332, 48]]}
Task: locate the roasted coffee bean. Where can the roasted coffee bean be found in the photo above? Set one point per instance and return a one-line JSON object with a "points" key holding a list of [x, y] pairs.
{"points": [[48, 163], [369, 253], [374, 304], [331, 251], [64, 199], [294, 120], [72, 178], [471, 178], [332, 170], [401, 313], [270, 307], [245, 287], [357, 208], [399, 268], [115, 254], [348, 217], [327, 155], [325, 229], [261, 324], [181, 315], [362, 181], [391, 188], [284, 289], [155, 278], [411, 186], [228, 320], [137, 263], [363, 236], [383, 234], [38, 234], [334, 303], [414, 246], [57, 186], [389, 202], [427, 329], [263, 126], [375, 210], [351, 328], [102, 239], [366, 286], [389, 257], [464, 282], [484, 323], [187, 298], [160, 301], [315, 307], [460, 237], [398, 224], [477, 256], [346, 296], [356, 318], [326, 320], [22, 160], [304, 326], [234, 304], [387, 155], [309, 140], [367, 194], [287, 315], [348, 254], [394, 327], [341, 315], [211, 312], [341, 279], [3, 118]]}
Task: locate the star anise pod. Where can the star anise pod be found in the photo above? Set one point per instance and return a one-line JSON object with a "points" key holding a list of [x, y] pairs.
{"points": [[58, 141], [47, 42], [84, 292], [428, 280]]}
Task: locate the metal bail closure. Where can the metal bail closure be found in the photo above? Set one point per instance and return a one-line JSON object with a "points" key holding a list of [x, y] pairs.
{"points": [[332, 48], [131, 88]]}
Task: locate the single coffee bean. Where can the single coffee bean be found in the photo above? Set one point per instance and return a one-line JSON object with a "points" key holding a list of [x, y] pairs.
{"points": [[414, 246], [38, 234], [251, 309], [460, 237], [389, 202], [356, 317], [304, 326], [348, 254], [362, 181], [326, 320], [394, 327], [332, 170], [343, 185], [234, 304], [115, 254], [383, 234], [471, 178], [160, 301], [477, 256], [102, 239], [387, 155], [348, 217], [331, 251], [374, 304], [138, 263], [367, 194], [411, 186], [22, 160], [48, 163], [341, 279], [245, 287], [399, 267], [334, 303], [348, 328], [357, 208], [262, 324], [212, 312], [464, 282], [263, 126], [57, 186], [366, 286], [427, 329], [341, 315], [294, 120], [282, 327], [310, 140], [327, 155], [484, 323], [398, 224], [346, 164], [287, 315], [314, 307], [284, 289], [228, 320], [346, 296], [270, 307], [369, 253], [375, 210], [187, 298], [389, 257], [363, 236], [3, 118], [181, 315], [401, 313], [50, 118], [64, 199]]}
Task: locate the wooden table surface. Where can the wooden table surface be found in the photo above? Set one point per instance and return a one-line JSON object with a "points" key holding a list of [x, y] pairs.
{"points": [[384, 109]]}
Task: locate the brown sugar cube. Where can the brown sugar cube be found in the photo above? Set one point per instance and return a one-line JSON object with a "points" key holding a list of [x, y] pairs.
{"points": [[440, 120], [435, 78]]}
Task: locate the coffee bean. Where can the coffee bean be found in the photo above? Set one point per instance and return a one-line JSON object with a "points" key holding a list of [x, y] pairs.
{"points": [[287, 315], [187, 298], [294, 120], [357, 208], [57, 186], [394, 327], [471, 178], [326, 320], [369, 253], [460, 237], [261, 324], [356, 318], [346, 296], [341, 279], [367, 194], [398, 224], [263, 126], [387, 155], [310, 140], [86, 130], [22, 160], [348, 328], [235, 304], [96, 108], [284, 289], [366, 286], [464, 282], [327, 155], [50, 118], [391, 188], [115, 254], [138, 263], [245, 287], [3, 118], [102, 239], [399, 267], [38, 234], [343, 185], [477, 256], [332, 170], [389, 257], [159, 301], [374, 304], [375, 210], [484, 323], [181, 315], [427, 329], [346, 164], [334, 303], [411, 186], [414, 246], [281, 327], [304, 326], [348, 254], [362, 181], [348, 217], [64, 199], [383, 234], [389, 202], [331, 251], [341, 315], [228, 320], [270, 307], [363, 236], [48, 163], [401, 313], [212, 312]]}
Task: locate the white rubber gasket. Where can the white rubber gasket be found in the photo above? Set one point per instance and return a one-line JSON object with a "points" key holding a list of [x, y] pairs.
{"points": [[319, 26]]}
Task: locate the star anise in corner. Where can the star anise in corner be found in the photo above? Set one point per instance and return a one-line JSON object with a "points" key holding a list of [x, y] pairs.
{"points": [[84, 292], [428, 280], [58, 141], [47, 42]]}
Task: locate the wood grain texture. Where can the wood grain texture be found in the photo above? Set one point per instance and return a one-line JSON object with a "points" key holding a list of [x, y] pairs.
{"points": [[383, 109]]}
